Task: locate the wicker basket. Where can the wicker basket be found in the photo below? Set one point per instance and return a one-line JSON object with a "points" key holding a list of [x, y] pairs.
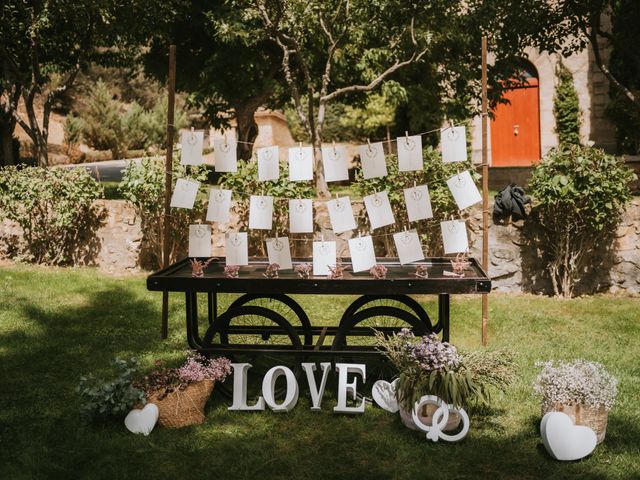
{"points": [[592, 417], [181, 408]]}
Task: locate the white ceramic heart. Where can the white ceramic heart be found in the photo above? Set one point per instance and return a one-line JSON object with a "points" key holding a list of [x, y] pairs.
{"points": [[384, 394], [564, 440], [142, 421]]}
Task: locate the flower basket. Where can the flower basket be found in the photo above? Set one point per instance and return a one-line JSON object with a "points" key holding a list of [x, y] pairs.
{"points": [[181, 408], [593, 417]]}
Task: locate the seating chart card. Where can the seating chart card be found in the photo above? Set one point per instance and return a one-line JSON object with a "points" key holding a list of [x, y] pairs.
{"points": [[408, 246], [341, 215], [379, 210], [236, 248], [199, 240], [363, 257], [334, 161], [268, 163], [418, 203], [301, 216], [324, 256], [184, 193], [279, 252], [300, 164], [464, 190], [225, 155], [454, 236], [260, 212], [453, 144], [410, 153], [191, 147], [219, 209], [372, 159]]}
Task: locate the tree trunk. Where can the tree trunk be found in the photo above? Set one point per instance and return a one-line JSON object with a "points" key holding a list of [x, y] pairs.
{"points": [[247, 129], [6, 139], [38, 135]]}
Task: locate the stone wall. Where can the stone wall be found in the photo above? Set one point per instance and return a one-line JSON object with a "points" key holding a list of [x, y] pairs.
{"points": [[514, 267]]}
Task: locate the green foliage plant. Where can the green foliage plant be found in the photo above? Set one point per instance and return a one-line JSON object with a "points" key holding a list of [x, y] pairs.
{"points": [[56, 210], [107, 399], [435, 174], [566, 108], [102, 121], [579, 194], [245, 183], [73, 127], [143, 185], [428, 366]]}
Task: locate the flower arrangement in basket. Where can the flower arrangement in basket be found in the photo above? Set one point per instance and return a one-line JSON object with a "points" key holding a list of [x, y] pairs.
{"points": [[181, 393], [583, 390], [428, 366]]}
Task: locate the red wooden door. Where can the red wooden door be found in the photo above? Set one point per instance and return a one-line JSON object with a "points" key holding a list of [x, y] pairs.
{"points": [[515, 130]]}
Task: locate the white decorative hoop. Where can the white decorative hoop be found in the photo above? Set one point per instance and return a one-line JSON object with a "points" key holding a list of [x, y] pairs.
{"points": [[439, 419]]}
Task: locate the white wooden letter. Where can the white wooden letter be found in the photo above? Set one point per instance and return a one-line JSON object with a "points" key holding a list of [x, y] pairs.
{"points": [[344, 369], [316, 393], [240, 389], [269, 385]]}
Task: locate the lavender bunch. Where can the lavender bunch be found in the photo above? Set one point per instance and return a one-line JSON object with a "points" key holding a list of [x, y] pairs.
{"points": [[432, 354], [198, 368]]}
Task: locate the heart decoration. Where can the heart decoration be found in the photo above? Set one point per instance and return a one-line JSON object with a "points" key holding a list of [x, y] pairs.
{"points": [[384, 394], [564, 440], [142, 421]]}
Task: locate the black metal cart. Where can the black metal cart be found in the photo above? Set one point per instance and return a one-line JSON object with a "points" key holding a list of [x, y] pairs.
{"points": [[265, 319]]}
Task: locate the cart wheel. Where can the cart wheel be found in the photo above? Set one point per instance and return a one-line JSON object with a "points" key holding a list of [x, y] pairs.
{"points": [[251, 327], [284, 305], [387, 314]]}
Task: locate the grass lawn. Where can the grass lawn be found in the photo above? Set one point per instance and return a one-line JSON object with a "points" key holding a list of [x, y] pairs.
{"points": [[57, 324]]}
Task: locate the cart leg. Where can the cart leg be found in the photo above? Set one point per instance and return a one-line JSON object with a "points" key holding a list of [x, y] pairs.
{"points": [[212, 307], [193, 337], [443, 315]]}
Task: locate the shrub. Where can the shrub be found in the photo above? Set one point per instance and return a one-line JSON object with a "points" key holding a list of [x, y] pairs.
{"points": [[435, 175], [566, 108], [102, 119], [73, 127], [157, 123], [105, 399], [143, 185], [136, 124], [245, 183], [579, 194], [56, 211]]}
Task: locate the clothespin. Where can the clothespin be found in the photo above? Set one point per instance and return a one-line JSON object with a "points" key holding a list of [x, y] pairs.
{"points": [[369, 144], [335, 152], [225, 139], [414, 185], [192, 129], [406, 138]]}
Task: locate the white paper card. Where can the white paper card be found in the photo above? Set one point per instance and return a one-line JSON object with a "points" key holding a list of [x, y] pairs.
{"points": [[334, 160], [260, 212], [341, 215], [184, 194], [301, 216], [324, 256], [279, 252], [199, 240], [191, 148], [408, 246], [363, 256], [409, 153], [418, 203], [225, 155], [268, 163], [300, 164], [454, 236], [372, 158], [379, 210], [219, 205], [464, 190], [453, 144], [236, 248]]}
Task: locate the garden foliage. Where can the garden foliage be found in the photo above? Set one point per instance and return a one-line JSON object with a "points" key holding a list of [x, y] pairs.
{"points": [[579, 195], [104, 399], [56, 211], [566, 108], [435, 174], [143, 185]]}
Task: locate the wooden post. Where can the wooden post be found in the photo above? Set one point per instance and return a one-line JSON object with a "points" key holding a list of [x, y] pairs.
{"points": [[485, 191], [168, 168]]}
